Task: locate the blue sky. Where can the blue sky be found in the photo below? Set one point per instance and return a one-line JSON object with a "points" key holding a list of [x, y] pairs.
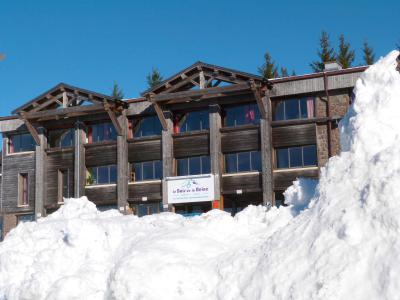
{"points": [[91, 43]]}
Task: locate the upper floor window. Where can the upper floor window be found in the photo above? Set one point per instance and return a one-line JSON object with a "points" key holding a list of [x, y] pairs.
{"points": [[61, 138], [147, 126], [194, 165], [291, 109], [101, 132], [101, 175], [295, 157], [21, 143], [243, 161], [242, 115], [192, 121], [146, 170], [23, 189]]}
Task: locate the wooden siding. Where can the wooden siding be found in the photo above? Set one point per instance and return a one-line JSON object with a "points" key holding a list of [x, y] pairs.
{"points": [[102, 195], [151, 190], [284, 179], [191, 144], [58, 160], [144, 150], [240, 139], [246, 182], [100, 154], [287, 136], [12, 166]]}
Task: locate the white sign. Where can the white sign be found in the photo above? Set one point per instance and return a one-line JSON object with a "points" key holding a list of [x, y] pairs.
{"points": [[186, 189]]}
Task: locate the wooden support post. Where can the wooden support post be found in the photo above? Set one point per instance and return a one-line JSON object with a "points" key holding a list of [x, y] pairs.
{"points": [[40, 174], [257, 94], [266, 153], [79, 163], [202, 80], [122, 167], [215, 148], [167, 157], [113, 118]]}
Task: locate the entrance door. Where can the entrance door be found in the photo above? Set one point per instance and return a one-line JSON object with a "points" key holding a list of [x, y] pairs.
{"points": [[193, 209]]}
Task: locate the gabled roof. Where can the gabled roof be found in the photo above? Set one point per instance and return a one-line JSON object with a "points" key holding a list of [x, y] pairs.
{"points": [[210, 75], [62, 96]]}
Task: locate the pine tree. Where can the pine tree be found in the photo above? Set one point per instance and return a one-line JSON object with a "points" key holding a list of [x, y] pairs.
{"points": [[325, 54], [154, 78], [293, 73], [268, 69], [346, 55], [369, 55], [284, 72], [117, 93]]}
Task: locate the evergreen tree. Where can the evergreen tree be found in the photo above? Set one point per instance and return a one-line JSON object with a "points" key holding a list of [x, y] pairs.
{"points": [[293, 73], [268, 69], [117, 93], [154, 78], [346, 55], [284, 72], [369, 55], [2, 56], [325, 54]]}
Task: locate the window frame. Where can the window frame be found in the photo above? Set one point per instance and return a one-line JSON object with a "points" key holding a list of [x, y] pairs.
{"points": [[188, 164], [137, 122], [285, 101], [10, 144], [302, 157], [181, 118], [97, 175], [132, 177], [23, 193], [257, 115], [90, 136], [66, 131], [251, 158]]}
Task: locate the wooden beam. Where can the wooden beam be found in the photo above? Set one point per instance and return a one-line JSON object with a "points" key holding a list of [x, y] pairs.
{"points": [[257, 94], [159, 112], [65, 100], [113, 117], [202, 80], [184, 82], [50, 100], [31, 129]]}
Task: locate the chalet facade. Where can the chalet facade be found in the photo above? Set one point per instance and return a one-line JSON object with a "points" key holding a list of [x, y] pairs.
{"points": [[205, 137]]}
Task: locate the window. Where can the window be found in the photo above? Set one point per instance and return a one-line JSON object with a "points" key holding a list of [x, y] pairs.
{"points": [[101, 175], [193, 165], [23, 190], [21, 143], [63, 185], [61, 138], [192, 121], [279, 199], [25, 218], [101, 132], [148, 126], [147, 170], [290, 109], [148, 209], [241, 115], [294, 157], [243, 161]]}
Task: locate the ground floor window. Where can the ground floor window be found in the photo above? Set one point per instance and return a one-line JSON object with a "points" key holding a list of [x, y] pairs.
{"points": [[295, 157], [101, 175], [193, 165], [63, 185], [234, 203], [193, 209], [25, 218], [146, 170], [23, 189], [279, 199], [106, 207], [243, 161], [147, 209]]}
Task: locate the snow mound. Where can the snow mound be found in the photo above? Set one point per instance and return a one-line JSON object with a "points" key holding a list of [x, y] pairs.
{"points": [[339, 239]]}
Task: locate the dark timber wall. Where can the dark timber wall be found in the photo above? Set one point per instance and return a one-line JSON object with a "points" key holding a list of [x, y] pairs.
{"points": [[193, 144], [150, 190], [101, 154], [244, 138], [102, 195], [294, 135], [284, 179], [246, 182], [145, 149], [62, 159], [12, 166]]}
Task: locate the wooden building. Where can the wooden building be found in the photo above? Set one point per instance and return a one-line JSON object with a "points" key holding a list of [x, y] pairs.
{"points": [[206, 137]]}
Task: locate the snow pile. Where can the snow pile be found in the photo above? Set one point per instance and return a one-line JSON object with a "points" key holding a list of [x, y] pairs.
{"points": [[339, 239]]}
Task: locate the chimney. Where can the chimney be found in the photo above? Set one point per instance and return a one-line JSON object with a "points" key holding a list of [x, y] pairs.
{"points": [[332, 66]]}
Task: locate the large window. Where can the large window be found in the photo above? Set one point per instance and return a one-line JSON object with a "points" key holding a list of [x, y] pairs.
{"points": [[243, 162], [147, 170], [101, 132], [148, 126], [148, 209], [290, 109], [61, 138], [23, 189], [193, 165], [21, 143], [242, 115], [192, 121], [295, 157], [101, 175]]}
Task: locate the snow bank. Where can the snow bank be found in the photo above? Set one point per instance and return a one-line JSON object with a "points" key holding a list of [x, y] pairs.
{"points": [[338, 240]]}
